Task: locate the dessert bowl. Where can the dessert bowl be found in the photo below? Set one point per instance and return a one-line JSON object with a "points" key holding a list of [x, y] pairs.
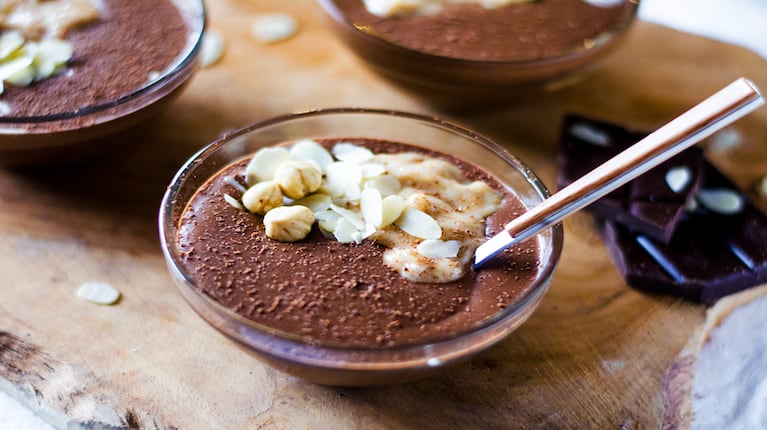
{"points": [[456, 80], [83, 130], [347, 364]]}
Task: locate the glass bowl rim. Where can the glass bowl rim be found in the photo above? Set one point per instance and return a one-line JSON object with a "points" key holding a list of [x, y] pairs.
{"points": [[531, 296], [184, 60]]}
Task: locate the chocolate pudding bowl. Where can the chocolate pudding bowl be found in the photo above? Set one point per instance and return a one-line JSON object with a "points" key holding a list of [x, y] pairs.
{"points": [[126, 62], [465, 53], [323, 304]]}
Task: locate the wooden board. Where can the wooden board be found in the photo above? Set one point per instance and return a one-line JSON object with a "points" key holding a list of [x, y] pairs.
{"points": [[594, 355]]}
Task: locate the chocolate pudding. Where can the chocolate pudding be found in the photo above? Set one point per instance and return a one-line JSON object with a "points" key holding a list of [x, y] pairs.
{"points": [[463, 55], [128, 45], [515, 32], [320, 289]]}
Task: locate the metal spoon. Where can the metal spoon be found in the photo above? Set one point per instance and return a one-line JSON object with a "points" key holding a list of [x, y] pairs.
{"points": [[721, 109]]}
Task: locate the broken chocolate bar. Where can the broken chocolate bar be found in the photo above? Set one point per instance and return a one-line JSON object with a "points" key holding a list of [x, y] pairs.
{"points": [[652, 203], [718, 247]]}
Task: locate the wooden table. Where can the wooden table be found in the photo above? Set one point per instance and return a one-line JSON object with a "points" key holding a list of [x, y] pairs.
{"points": [[594, 355]]}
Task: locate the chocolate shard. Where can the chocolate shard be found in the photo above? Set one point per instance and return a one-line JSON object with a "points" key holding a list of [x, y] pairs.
{"points": [[718, 248], [652, 203]]}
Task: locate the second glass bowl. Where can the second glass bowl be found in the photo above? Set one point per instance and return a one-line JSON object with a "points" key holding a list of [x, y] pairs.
{"points": [[455, 82], [78, 134]]}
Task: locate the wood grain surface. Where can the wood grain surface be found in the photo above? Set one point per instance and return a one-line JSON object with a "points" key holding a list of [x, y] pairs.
{"points": [[594, 354]]}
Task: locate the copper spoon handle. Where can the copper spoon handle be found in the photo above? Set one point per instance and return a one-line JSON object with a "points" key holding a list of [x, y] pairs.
{"points": [[721, 109]]}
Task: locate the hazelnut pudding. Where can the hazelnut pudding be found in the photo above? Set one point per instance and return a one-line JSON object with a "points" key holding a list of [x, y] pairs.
{"points": [[474, 48], [388, 261], [337, 244], [504, 30], [68, 67]]}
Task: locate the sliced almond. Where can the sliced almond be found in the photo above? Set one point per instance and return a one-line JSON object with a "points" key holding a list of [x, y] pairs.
{"points": [[264, 162], [385, 184], [342, 180], [391, 208], [371, 206], [212, 48], [352, 152], [56, 51], [273, 27], [372, 170], [678, 178], [10, 42], [345, 231], [327, 220], [98, 292], [419, 224], [312, 152], [233, 202], [23, 77], [590, 134], [9, 69], [363, 234], [435, 248], [721, 200], [316, 202], [353, 217]]}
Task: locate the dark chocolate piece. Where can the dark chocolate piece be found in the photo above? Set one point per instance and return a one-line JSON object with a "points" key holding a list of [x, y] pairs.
{"points": [[647, 204], [711, 254]]}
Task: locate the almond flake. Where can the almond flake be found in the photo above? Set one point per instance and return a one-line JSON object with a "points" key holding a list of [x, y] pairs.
{"points": [[316, 202], [9, 69], [371, 206], [352, 152], [721, 200], [311, 152], [327, 220], [435, 248], [345, 231], [353, 217], [264, 162], [391, 209], [590, 134], [273, 27], [372, 170], [385, 184], [10, 42], [233, 202], [212, 47], [343, 180], [678, 178], [419, 224], [98, 292]]}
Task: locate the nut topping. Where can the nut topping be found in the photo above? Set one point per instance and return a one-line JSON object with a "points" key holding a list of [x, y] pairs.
{"points": [[298, 178], [288, 223]]}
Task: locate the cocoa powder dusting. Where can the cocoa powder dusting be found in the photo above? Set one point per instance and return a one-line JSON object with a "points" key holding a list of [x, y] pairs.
{"points": [[516, 32], [113, 56], [327, 291]]}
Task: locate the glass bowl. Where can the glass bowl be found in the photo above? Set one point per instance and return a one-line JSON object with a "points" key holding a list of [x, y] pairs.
{"points": [[338, 364], [455, 82], [80, 133]]}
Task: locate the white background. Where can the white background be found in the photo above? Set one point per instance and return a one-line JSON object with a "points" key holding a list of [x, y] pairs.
{"points": [[742, 22]]}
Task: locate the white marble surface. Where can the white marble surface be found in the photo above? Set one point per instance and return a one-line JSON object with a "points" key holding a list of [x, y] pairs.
{"points": [[740, 22]]}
